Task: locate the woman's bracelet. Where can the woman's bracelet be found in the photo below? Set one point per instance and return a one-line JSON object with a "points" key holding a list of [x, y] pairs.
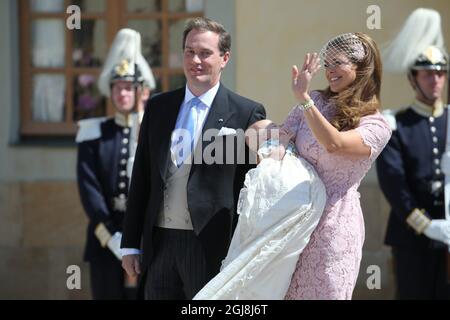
{"points": [[306, 105]]}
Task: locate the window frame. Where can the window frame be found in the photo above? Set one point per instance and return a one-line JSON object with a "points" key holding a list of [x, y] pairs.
{"points": [[115, 17]]}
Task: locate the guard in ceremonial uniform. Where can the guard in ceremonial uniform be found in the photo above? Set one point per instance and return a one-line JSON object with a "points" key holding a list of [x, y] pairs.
{"points": [[106, 148], [409, 168]]}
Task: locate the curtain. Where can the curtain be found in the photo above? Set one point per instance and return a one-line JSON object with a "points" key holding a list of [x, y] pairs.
{"points": [[48, 51], [48, 98], [47, 5]]}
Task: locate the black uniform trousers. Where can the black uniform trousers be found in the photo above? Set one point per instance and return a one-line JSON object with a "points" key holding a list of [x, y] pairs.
{"points": [[107, 279], [421, 273], [178, 269]]}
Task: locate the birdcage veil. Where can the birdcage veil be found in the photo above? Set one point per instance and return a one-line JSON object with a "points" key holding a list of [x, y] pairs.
{"points": [[421, 30], [126, 46], [347, 44]]}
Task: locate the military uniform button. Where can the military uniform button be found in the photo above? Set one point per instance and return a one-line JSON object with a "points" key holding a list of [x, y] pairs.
{"points": [[123, 173], [435, 139], [123, 162], [126, 130], [435, 151], [124, 151], [438, 172], [433, 129], [122, 196], [122, 185], [125, 141], [431, 119]]}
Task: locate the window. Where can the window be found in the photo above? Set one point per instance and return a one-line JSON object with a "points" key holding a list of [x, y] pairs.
{"points": [[59, 67]]}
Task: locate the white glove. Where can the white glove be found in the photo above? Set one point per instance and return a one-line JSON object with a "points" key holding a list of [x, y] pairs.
{"points": [[445, 163], [114, 244], [439, 230]]}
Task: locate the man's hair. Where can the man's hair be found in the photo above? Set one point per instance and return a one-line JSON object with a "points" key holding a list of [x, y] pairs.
{"points": [[206, 24]]}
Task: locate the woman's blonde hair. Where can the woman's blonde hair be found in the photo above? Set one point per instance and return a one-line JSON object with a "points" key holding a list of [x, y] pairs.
{"points": [[362, 97]]}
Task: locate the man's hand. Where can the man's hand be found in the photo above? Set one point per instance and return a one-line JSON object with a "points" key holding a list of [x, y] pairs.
{"points": [[439, 230], [131, 264]]}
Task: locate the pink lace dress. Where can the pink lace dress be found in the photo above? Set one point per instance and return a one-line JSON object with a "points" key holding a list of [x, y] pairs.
{"points": [[329, 265]]}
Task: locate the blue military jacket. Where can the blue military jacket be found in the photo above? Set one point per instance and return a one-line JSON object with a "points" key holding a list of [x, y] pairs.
{"points": [[409, 173], [103, 155]]}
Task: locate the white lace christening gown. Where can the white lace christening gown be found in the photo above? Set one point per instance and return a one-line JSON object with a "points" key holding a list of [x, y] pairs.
{"points": [[279, 207]]}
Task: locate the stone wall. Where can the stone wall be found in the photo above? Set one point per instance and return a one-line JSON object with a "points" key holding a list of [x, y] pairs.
{"points": [[42, 232]]}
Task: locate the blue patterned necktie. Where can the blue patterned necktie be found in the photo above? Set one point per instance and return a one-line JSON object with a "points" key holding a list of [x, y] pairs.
{"points": [[185, 148]]}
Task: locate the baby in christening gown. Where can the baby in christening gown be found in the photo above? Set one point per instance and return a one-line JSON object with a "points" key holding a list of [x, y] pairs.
{"points": [[279, 207]]}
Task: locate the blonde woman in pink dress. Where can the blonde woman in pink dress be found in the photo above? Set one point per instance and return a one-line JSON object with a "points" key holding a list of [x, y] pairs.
{"points": [[340, 131]]}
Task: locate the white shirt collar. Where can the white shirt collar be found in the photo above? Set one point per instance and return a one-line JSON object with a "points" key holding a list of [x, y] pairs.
{"points": [[207, 98]]}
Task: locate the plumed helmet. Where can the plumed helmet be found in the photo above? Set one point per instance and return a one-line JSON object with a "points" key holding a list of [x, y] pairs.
{"points": [[419, 45], [125, 63]]}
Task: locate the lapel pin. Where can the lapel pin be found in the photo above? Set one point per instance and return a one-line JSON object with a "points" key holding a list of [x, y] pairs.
{"points": [[220, 120]]}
